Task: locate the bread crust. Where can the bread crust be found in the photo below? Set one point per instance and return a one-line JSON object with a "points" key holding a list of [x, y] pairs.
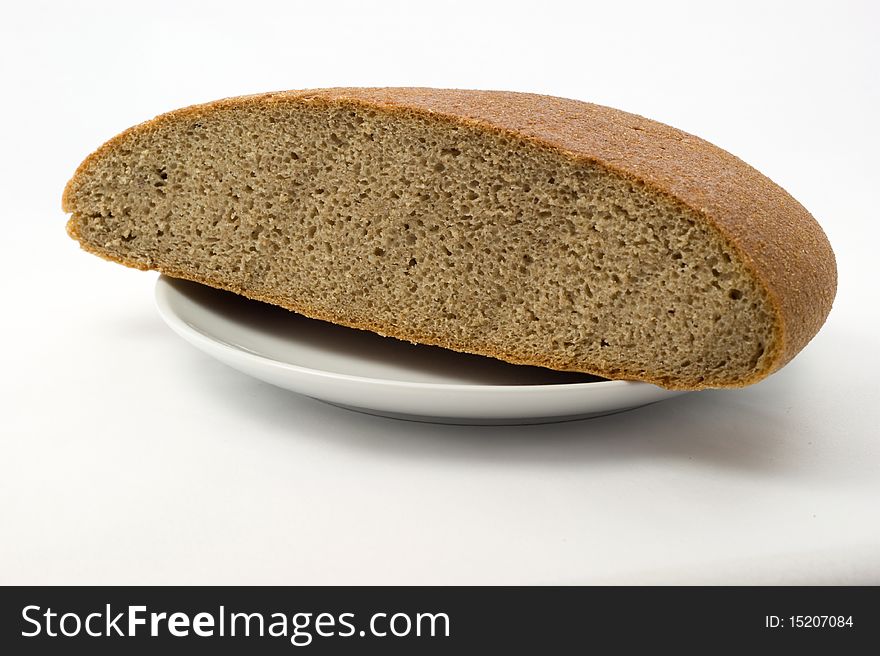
{"points": [[779, 241]]}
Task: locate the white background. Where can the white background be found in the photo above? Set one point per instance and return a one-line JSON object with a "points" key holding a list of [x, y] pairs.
{"points": [[129, 457]]}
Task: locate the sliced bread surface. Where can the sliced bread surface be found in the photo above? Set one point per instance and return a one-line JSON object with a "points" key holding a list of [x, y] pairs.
{"points": [[534, 229]]}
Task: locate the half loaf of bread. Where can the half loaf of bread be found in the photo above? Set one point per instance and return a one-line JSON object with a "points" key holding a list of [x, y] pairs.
{"points": [[533, 229]]}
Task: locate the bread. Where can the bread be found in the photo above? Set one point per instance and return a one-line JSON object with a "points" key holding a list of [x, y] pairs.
{"points": [[533, 229]]}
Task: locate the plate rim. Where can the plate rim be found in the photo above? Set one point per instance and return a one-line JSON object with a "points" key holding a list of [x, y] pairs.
{"points": [[164, 288]]}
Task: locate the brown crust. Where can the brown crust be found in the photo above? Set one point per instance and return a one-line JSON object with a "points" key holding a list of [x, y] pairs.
{"points": [[778, 239]]}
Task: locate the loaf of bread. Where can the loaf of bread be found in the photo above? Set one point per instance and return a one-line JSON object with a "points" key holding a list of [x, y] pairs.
{"points": [[533, 229]]}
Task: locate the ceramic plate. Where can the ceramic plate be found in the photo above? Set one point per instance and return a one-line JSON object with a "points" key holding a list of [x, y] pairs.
{"points": [[359, 370]]}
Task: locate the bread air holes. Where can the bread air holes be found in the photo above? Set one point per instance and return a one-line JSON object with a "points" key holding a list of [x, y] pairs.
{"points": [[760, 351], [735, 294]]}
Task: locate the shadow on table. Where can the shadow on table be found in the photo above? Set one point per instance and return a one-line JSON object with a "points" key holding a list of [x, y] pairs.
{"points": [[727, 429]]}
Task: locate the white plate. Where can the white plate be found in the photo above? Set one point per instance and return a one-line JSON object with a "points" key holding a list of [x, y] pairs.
{"points": [[362, 371]]}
